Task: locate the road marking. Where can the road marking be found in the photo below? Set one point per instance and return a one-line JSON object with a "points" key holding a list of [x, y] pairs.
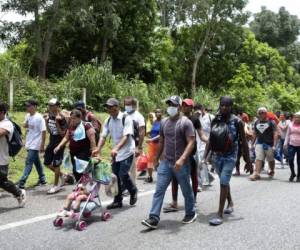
{"points": [[51, 216]]}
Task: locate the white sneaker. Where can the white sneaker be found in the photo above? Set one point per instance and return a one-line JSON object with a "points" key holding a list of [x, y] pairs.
{"points": [[22, 198], [54, 190], [63, 213]]}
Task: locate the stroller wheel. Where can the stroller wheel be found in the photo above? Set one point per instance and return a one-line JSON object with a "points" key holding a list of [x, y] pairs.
{"points": [[87, 215], [106, 216], [81, 225], [58, 222]]}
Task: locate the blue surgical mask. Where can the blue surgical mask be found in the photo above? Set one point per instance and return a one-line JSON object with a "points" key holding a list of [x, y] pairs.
{"points": [[172, 111], [128, 108]]}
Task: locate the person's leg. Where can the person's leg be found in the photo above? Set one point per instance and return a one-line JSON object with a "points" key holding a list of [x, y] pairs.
{"points": [[126, 179], [229, 198], [194, 176], [174, 191], [238, 162], [39, 166], [28, 167], [183, 178], [260, 157], [291, 157], [164, 177], [6, 184], [78, 200]]}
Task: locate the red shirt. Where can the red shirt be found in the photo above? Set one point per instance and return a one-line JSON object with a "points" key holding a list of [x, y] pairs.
{"points": [[76, 146]]}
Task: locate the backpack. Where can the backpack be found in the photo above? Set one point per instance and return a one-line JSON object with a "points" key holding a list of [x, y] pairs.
{"points": [[221, 138], [15, 144], [95, 123], [136, 129]]}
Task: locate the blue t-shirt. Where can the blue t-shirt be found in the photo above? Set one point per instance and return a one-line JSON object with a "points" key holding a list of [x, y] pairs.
{"points": [[155, 129]]}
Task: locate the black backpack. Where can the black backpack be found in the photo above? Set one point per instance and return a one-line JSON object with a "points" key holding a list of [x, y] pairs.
{"points": [[15, 144], [220, 138]]}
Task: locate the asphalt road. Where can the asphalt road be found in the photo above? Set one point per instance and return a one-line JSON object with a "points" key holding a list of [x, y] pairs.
{"points": [[267, 216]]}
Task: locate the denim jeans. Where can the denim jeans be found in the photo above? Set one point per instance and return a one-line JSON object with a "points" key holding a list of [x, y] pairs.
{"points": [[282, 152], [32, 158], [165, 173], [121, 170], [292, 151]]}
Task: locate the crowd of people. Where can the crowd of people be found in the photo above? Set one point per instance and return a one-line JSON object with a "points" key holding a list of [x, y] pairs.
{"points": [[185, 147]]}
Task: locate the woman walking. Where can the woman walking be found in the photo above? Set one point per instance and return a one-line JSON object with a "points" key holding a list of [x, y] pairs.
{"points": [[292, 143]]}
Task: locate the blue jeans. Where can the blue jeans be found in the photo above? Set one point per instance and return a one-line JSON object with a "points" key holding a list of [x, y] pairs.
{"points": [[224, 166], [32, 158], [165, 173], [121, 170], [282, 152]]}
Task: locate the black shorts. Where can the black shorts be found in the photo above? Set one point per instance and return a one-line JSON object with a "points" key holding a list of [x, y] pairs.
{"points": [[51, 159]]}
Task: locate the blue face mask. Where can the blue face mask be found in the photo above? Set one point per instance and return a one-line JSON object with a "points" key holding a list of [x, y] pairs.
{"points": [[79, 133], [129, 108]]}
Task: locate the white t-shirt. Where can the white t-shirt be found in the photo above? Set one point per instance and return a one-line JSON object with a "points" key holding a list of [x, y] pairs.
{"points": [[36, 125], [4, 155], [117, 131], [138, 118], [206, 127]]}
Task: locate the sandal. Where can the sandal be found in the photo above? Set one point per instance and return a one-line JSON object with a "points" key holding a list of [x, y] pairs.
{"points": [[216, 221], [170, 208], [254, 177], [228, 210]]}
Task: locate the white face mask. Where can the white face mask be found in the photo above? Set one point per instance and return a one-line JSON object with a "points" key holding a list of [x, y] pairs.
{"points": [[172, 111], [128, 108]]}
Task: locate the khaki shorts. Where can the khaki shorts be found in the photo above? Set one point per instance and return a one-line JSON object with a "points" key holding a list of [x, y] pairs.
{"points": [[262, 154]]}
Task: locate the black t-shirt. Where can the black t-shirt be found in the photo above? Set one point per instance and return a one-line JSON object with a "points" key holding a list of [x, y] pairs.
{"points": [[265, 132], [55, 137]]}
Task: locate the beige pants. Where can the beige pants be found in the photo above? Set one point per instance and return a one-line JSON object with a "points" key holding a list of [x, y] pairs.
{"points": [[132, 171]]}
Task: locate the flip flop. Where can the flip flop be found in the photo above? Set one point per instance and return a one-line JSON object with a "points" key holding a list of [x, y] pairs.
{"points": [[170, 208]]}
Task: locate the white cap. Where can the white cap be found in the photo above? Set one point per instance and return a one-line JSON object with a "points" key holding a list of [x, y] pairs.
{"points": [[53, 101], [262, 109]]}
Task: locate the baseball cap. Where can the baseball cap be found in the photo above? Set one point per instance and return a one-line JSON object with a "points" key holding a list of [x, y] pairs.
{"points": [[53, 102], [80, 104], [188, 102], [262, 110], [111, 102], [176, 100], [31, 102]]}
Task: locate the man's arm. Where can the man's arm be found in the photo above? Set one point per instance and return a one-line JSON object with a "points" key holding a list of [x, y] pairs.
{"points": [[141, 137], [187, 152], [275, 137], [202, 135], [91, 135], [3, 132], [159, 150], [42, 148]]}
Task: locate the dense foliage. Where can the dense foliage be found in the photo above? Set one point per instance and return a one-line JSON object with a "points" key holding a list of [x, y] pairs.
{"points": [[150, 49]]}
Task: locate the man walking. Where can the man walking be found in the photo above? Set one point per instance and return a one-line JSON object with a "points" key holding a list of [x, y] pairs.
{"points": [[119, 126], [226, 131], [6, 132], [56, 126], [35, 143], [177, 141], [266, 136]]}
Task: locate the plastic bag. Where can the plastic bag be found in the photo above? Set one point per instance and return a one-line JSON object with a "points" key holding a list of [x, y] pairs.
{"points": [[112, 189], [67, 163], [81, 165], [102, 172], [142, 162]]}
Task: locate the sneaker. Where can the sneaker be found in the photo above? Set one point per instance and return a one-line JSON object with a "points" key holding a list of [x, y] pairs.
{"points": [[54, 190], [22, 198], [170, 208], [150, 223], [63, 213], [228, 210], [149, 180], [40, 183], [188, 219], [133, 198], [143, 173], [114, 205]]}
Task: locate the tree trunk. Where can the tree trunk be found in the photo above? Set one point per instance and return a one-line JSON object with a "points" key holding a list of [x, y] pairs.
{"points": [[104, 50], [198, 55]]}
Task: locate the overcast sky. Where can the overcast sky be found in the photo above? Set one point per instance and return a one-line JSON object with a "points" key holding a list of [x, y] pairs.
{"points": [[293, 6]]}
